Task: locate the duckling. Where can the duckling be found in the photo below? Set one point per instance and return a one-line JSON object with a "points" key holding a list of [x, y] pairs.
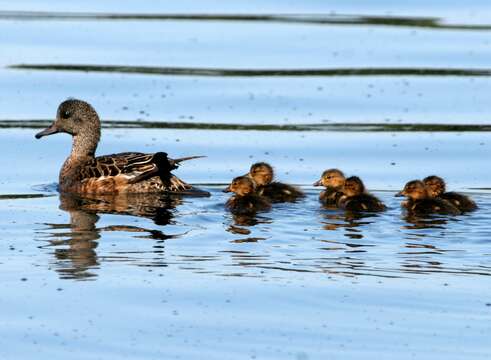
{"points": [[333, 181], [245, 201], [262, 174], [435, 187], [420, 203], [355, 197], [129, 172]]}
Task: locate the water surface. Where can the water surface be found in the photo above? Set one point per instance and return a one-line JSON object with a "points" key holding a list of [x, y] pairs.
{"points": [[389, 93]]}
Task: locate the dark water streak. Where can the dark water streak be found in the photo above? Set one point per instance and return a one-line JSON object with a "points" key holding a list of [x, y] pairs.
{"points": [[302, 19], [341, 127], [216, 72]]}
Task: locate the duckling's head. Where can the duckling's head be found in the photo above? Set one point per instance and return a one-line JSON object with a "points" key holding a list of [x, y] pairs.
{"points": [[241, 185], [415, 190], [261, 173], [435, 185], [353, 186], [75, 117], [331, 178]]}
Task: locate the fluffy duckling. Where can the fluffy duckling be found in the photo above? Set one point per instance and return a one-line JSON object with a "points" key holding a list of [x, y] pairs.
{"points": [[436, 188], [262, 174], [356, 198], [333, 181], [420, 203], [245, 201]]}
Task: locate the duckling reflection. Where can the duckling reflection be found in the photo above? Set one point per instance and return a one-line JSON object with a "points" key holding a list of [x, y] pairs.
{"points": [[417, 221], [80, 259], [351, 221]]}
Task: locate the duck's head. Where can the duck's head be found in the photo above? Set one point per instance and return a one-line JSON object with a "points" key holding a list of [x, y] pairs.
{"points": [[435, 185], [353, 186], [414, 190], [241, 185], [74, 117], [261, 173], [331, 178]]}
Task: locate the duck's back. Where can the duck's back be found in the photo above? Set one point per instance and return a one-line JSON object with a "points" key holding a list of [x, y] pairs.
{"points": [[280, 192], [363, 202], [129, 172], [330, 197], [248, 204], [431, 206], [461, 202]]}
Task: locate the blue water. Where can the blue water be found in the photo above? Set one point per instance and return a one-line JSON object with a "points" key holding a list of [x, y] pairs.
{"points": [[182, 278]]}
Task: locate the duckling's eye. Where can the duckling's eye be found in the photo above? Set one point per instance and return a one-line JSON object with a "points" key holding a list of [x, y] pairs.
{"points": [[66, 114]]}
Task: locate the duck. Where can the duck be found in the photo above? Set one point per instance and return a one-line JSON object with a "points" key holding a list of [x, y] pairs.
{"points": [[333, 181], [262, 175], [128, 172], [356, 198], [436, 188], [245, 200], [420, 203]]}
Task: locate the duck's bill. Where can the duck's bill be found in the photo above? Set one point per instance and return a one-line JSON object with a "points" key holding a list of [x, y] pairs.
{"points": [[317, 183], [400, 194], [48, 131], [227, 190]]}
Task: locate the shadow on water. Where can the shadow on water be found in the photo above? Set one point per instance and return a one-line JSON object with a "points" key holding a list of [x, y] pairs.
{"points": [[434, 23], [75, 243]]}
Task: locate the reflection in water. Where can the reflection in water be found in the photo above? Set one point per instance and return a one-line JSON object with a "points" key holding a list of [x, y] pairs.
{"points": [[288, 242], [428, 222], [79, 258], [350, 221]]}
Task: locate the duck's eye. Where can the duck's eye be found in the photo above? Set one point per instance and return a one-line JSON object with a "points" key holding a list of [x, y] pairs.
{"points": [[65, 114]]}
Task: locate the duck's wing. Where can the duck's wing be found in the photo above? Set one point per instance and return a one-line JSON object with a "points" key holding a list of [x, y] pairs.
{"points": [[134, 166]]}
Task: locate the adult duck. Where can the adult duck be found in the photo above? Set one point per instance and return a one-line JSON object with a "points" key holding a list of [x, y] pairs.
{"points": [[129, 172]]}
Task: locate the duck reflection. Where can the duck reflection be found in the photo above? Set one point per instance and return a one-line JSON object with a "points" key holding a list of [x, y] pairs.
{"points": [[78, 258], [242, 223], [348, 220], [425, 222]]}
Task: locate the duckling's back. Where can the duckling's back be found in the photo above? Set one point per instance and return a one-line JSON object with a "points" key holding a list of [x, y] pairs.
{"points": [[330, 197], [363, 202], [247, 204], [461, 202], [431, 206], [279, 192]]}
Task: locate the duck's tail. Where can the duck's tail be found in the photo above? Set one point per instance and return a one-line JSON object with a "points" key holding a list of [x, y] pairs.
{"points": [[176, 162], [178, 186]]}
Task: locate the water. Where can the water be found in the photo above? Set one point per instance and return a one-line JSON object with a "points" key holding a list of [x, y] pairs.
{"points": [[387, 93]]}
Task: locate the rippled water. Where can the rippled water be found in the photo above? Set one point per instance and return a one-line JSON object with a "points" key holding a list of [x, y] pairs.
{"points": [[389, 93]]}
